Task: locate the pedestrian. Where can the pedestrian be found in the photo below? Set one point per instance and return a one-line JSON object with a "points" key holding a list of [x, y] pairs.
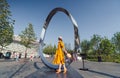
{"points": [[14, 55], [59, 57], [17, 56], [20, 54], [32, 56]]}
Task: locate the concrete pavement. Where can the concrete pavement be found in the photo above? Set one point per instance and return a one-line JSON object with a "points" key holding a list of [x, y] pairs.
{"points": [[36, 69]]}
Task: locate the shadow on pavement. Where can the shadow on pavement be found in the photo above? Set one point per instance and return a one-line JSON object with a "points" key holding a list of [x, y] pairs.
{"points": [[6, 60], [36, 66], [45, 72], [17, 70], [102, 73]]}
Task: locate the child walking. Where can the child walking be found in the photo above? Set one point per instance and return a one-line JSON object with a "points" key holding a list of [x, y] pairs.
{"points": [[59, 56]]}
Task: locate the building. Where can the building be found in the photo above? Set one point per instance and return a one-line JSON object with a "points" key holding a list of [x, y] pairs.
{"points": [[15, 46]]}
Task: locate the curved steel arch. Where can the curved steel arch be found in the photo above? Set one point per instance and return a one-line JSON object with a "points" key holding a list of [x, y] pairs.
{"points": [[45, 26]]}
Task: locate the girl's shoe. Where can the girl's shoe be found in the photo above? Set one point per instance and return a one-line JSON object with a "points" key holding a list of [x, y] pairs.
{"points": [[65, 70], [58, 71]]}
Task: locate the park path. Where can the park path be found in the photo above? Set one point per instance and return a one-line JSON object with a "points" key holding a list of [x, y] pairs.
{"points": [[36, 69], [32, 69], [98, 69]]}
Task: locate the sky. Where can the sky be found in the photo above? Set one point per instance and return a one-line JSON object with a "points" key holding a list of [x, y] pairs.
{"points": [[100, 17]]}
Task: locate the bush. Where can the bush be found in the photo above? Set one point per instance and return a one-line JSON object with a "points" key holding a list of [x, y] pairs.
{"points": [[105, 58], [116, 60]]}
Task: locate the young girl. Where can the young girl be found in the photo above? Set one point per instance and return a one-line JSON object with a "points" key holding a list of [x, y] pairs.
{"points": [[32, 56], [59, 56]]}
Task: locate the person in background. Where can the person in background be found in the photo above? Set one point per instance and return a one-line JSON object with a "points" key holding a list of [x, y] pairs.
{"points": [[20, 54], [14, 55], [17, 56], [32, 56]]}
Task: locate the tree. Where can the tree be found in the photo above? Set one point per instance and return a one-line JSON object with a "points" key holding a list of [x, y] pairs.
{"points": [[27, 37], [49, 49], [106, 47], [94, 42], [6, 24], [85, 45], [116, 41]]}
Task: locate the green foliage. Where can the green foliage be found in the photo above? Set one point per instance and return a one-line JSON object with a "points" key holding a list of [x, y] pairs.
{"points": [[85, 46], [6, 24], [49, 49], [94, 42], [116, 41], [6, 35], [27, 36], [101, 47], [106, 47]]}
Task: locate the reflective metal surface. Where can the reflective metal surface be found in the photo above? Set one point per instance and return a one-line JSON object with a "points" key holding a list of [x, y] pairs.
{"points": [[44, 29]]}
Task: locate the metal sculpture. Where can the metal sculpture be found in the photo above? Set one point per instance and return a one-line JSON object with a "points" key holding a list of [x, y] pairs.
{"points": [[44, 29]]}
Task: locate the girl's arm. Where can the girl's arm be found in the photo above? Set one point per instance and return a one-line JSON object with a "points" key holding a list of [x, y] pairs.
{"points": [[64, 50]]}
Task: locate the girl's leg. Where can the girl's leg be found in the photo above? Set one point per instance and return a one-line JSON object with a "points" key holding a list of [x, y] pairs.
{"points": [[65, 69], [59, 69]]}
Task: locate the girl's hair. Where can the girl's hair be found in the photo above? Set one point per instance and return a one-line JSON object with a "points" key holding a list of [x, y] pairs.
{"points": [[60, 38]]}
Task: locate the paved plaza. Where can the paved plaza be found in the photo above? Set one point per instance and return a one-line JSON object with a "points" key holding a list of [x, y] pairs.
{"points": [[36, 69]]}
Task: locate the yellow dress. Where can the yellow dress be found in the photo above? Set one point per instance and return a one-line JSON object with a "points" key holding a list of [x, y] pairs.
{"points": [[59, 55]]}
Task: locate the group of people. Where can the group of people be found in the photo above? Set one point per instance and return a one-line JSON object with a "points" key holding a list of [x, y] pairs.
{"points": [[16, 56]]}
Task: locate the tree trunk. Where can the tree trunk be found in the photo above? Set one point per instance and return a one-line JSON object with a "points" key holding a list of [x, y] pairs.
{"points": [[26, 53]]}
